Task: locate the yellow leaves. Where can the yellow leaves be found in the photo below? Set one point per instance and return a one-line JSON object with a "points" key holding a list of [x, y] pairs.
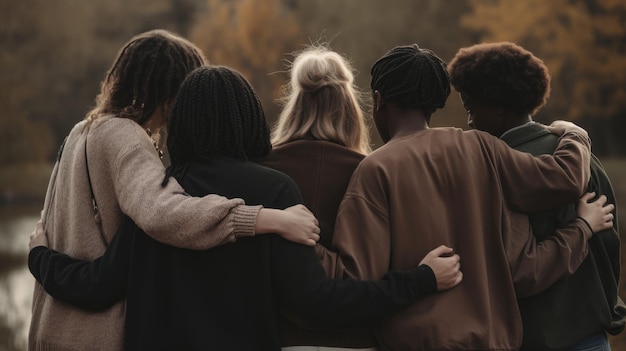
{"points": [[250, 36], [582, 45]]}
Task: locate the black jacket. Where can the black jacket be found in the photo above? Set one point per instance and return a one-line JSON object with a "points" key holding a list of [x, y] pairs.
{"points": [[226, 298], [587, 302]]}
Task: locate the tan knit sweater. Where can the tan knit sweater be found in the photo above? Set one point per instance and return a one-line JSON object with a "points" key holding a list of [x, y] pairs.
{"points": [[126, 176]]}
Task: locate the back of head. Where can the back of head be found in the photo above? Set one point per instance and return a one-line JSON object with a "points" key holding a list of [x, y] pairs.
{"points": [[412, 77], [501, 75], [147, 72], [217, 114], [323, 102]]}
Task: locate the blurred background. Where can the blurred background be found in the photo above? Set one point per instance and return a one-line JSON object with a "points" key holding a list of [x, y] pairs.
{"points": [[55, 53]]}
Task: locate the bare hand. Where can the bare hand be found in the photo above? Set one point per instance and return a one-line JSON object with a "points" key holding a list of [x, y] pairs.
{"points": [[38, 237], [445, 265], [596, 213], [563, 127], [295, 223]]}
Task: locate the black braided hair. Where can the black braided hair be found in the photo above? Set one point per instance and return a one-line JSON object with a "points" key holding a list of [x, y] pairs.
{"points": [[216, 114], [412, 77], [146, 73]]}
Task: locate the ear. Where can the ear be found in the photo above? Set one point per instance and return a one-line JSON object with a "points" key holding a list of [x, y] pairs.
{"points": [[378, 100]]}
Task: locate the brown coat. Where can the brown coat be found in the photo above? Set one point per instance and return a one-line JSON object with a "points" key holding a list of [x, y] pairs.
{"points": [[126, 175], [447, 186], [322, 171]]}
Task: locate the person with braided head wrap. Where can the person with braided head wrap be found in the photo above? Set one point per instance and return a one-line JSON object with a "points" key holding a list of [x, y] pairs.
{"points": [[427, 187], [109, 160], [225, 298], [502, 86]]}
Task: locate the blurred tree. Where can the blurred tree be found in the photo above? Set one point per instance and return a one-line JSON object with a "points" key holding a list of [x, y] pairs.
{"points": [[364, 30], [583, 43], [55, 53], [251, 37]]}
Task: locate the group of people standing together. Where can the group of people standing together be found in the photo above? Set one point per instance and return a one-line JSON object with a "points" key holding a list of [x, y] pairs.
{"points": [[301, 238]]}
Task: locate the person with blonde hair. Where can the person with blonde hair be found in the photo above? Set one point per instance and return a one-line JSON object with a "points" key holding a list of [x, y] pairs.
{"points": [[320, 138], [109, 166], [321, 129]]}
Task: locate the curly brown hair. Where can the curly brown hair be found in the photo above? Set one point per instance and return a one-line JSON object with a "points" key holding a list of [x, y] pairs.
{"points": [[147, 72], [502, 75]]}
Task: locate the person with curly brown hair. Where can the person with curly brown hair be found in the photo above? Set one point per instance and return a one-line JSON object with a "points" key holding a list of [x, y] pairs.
{"points": [[502, 86], [110, 166]]}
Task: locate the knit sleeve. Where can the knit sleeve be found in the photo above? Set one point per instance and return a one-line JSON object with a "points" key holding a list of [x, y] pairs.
{"points": [[537, 265], [167, 214], [92, 285], [532, 184]]}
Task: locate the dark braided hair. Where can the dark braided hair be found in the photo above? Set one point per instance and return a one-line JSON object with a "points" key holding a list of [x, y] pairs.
{"points": [[412, 77], [216, 114], [147, 72], [502, 75]]}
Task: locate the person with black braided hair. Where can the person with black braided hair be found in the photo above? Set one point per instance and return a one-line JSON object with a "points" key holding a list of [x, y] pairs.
{"points": [[225, 298], [109, 167], [427, 187]]}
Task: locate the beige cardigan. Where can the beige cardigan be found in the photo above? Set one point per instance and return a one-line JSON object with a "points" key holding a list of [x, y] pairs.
{"points": [[126, 176]]}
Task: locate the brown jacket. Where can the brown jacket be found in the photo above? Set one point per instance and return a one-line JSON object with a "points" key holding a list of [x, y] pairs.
{"points": [[322, 171], [126, 175], [447, 186]]}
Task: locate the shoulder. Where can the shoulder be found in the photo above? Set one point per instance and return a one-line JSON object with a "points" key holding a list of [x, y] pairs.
{"points": [[271, 175], [110, 127], [117, 136], [121, 144], [312, 147], [284, 188]]}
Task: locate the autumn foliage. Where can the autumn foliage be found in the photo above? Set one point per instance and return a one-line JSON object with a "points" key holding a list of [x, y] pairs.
{"points": [[55, 52]]}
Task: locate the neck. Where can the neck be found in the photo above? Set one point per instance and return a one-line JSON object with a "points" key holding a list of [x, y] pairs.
{"points": [[516, 121], [407, 122]]}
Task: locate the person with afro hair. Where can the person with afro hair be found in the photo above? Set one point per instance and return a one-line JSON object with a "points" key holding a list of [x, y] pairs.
{"points": [[502, 86], [445, 187]]}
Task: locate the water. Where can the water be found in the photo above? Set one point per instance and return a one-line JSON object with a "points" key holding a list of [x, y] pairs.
{"points": [[16, 282]]}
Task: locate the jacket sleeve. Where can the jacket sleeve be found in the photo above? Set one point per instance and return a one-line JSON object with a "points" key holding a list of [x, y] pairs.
{"points": [[303, 288], [331, 261], [531, 184], [362, 236], [137, 173], [535, 266], [92, 285], [605, 247]]}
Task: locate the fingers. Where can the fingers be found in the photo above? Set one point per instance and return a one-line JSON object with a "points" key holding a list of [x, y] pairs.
{"points": [[441, 250], [458, 280], [301, 207], [601, 200], [315, 238], [587, 197]]}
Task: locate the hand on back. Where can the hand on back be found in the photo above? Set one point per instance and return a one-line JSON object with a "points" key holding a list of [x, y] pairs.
{"points": [[295, 223], [38, 237], [445, 265], [564, 127], [597, 213]]}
